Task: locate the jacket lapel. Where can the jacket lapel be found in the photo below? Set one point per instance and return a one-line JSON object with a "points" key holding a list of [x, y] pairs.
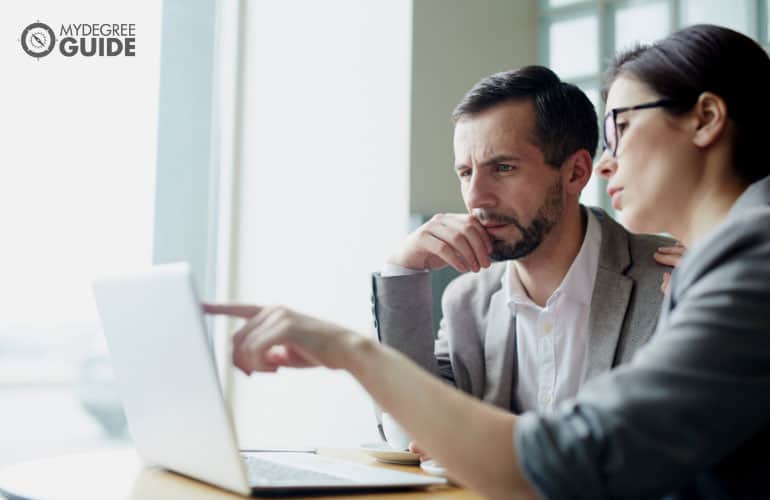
{"points": [[610, 298], [500, 353]]}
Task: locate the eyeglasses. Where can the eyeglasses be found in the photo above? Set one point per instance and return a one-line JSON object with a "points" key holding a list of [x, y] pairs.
{"points": [[611, 124]]}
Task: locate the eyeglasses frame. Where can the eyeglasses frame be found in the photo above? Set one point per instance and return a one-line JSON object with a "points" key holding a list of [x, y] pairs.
{"points": [[660, 103]]}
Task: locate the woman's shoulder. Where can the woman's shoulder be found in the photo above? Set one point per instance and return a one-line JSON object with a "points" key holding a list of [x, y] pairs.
{"points": [[737, 252]]}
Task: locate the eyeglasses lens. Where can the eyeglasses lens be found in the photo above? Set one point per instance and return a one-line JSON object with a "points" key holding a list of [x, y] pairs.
{"points": [[609, 132]]}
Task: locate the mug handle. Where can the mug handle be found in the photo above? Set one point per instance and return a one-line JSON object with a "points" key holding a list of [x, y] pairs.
{"points": [[378, 418]]}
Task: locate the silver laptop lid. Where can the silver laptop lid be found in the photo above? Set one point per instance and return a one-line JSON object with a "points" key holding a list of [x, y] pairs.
{"points": [[166, 375]]}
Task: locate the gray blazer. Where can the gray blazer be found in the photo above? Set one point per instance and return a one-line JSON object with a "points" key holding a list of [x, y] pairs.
{"points": [[690, 415], [476, 345]]}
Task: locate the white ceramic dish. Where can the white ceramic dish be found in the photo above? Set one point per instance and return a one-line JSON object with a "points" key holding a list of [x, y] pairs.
{"points": [[433, 467], [384, 453]]}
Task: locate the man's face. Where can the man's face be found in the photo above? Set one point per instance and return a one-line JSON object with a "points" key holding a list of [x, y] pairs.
{"points": [[504, 179]]}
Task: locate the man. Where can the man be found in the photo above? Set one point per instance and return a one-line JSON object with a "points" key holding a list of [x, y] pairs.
{"points": [[557, 293]]}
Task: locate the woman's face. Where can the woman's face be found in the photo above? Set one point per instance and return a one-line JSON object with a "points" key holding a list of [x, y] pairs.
{"points": [[653, 174]]}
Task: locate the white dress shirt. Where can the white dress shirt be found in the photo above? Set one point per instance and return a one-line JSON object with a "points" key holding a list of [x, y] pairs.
{"points": [[550, 341]]}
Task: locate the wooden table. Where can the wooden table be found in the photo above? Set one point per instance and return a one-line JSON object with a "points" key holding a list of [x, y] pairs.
{"points": [[121, 475]]}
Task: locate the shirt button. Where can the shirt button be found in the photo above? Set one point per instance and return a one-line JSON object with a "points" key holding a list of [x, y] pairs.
{"points": [[546, 399], [547, 328]]}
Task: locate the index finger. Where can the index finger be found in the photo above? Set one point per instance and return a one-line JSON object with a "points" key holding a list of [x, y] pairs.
{"points": [[238, 310], [485, 237]]}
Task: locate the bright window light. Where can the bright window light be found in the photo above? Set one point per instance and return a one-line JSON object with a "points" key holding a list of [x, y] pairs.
{"points": [[641, 24], [323, 184], [77, 165], [574, 47]]}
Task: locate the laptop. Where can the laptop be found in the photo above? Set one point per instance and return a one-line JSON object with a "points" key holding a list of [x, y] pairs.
{"points": [[167, 380]]}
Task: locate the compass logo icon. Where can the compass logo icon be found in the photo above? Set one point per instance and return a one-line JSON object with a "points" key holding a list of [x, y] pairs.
{"points": [[38, 39]]}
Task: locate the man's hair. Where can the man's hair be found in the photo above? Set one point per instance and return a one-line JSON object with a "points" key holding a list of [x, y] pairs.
{"points": [[565, 120], [709, 58]]}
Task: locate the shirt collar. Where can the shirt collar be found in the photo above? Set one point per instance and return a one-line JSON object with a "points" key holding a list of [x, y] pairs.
{"points": [[514, 290], [578, 283]]}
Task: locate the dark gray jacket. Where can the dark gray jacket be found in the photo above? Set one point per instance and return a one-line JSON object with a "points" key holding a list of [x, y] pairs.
{"points": [[689, 417]]}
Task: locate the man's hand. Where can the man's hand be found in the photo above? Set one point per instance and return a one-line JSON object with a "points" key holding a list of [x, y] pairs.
{"points": [[669, 256], [275, 336], [457, 240]]}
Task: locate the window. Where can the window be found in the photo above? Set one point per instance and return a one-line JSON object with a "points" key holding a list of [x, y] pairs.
{"points": [[77, 190], [562, 3], [574, 47], [323, 190], [740, 15], [641, 23], [763, 20]]}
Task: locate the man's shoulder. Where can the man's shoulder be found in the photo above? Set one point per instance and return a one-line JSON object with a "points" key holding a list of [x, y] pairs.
{"points": [[641, 247], [644, 246]]}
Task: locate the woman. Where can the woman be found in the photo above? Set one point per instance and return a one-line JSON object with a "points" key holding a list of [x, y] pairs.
{"points": [[690, 415]]}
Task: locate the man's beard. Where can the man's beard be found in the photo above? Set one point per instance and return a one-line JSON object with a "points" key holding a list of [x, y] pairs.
{"points": [[532, 236]]}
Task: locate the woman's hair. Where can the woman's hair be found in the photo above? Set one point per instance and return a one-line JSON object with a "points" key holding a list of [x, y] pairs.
{"points": [[709, 58]]}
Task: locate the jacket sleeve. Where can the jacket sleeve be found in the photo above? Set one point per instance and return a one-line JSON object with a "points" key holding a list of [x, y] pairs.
{"points": [[696, 393], [403, 320], [443, 354]]}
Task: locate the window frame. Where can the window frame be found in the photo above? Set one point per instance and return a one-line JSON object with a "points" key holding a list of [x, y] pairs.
{"points": [[196, 170]]}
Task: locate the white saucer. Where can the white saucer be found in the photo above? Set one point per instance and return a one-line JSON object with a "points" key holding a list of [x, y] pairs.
{"points": [[384, 453], [433, 467]]}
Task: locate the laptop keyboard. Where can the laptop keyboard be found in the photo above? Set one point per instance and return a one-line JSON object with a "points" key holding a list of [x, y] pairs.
{"points": [[261, 471]]}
